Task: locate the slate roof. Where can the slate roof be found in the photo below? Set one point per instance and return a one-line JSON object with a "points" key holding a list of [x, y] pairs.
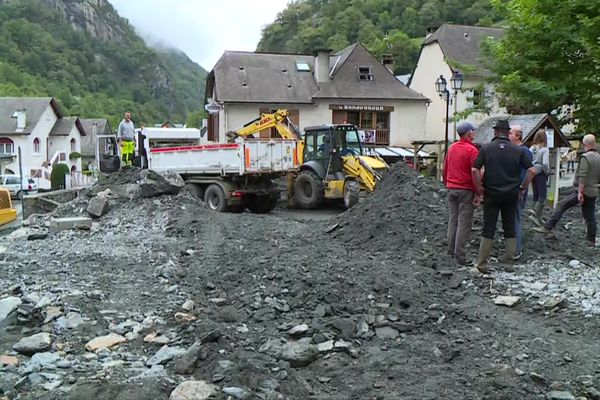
{"points": [[64, 126], [263, 78], [243, 77], [345, 83], [530, 123], [462, 43], [88, 145], [34, 109]]}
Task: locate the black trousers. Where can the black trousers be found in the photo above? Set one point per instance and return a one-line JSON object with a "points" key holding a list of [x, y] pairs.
{"points": [[504, 204], [588, 209]]}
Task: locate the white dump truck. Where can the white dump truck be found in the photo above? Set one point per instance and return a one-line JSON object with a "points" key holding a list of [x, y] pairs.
{"points": [[228, 176]]}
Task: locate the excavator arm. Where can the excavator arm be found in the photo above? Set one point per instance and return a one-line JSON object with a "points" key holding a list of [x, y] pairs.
{"points": [[279, 120], [367, 169]]}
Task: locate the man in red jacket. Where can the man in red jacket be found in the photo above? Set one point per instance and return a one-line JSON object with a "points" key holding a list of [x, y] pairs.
{"points": [[462, 195]]}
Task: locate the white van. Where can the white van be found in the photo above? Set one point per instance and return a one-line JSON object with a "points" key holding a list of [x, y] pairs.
{"points": [[13, 184]]}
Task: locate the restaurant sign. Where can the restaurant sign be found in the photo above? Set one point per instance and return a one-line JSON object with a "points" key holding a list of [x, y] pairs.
{"points": [[360, 107]]}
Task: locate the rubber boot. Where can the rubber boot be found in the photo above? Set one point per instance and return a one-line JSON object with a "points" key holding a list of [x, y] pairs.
{"points": [[485, 249], [509, 257], [539, 209]]}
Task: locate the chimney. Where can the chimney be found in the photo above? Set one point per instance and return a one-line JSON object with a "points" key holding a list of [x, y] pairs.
{"points": [[388, 62], [430, 30], [21, 117], [322, 66]]}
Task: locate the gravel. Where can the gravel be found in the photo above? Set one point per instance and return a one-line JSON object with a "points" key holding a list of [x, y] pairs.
{"points": [[364, 306]]}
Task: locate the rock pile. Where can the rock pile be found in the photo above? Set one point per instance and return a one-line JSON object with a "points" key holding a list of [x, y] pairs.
{"points": [[162, 299]]}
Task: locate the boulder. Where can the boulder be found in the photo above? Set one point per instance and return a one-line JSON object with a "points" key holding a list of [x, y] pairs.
{"points": [[33, 344], [98, 206], [154, 184], [164, 354], [62, 224], [193, 390], [7, 306], [299, 353], [104, 342]]}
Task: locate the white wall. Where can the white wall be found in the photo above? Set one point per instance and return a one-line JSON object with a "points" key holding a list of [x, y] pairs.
{"points": [[407, 121], [30, 160], [430, 66]]}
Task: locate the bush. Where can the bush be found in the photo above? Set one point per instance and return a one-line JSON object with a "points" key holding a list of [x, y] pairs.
{"points": [[74, 155], [57, 177]]}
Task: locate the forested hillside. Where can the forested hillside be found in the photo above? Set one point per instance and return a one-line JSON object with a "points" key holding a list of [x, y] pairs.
{"points": [[44, 52], [395, 27]]}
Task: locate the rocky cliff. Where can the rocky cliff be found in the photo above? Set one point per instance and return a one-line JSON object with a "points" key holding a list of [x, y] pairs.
{"points": [[96, 17]]}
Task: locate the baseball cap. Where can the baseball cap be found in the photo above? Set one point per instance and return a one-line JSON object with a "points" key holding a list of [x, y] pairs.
{"points": [[465, 127]]}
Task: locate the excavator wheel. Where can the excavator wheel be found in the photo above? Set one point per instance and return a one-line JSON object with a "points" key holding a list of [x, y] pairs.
{"points": [[214, 198], [309, 191], [351, 192], [262, 204]]}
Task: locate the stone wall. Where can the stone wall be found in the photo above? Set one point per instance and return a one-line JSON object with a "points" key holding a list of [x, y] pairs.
{"points": [[46, 202]]}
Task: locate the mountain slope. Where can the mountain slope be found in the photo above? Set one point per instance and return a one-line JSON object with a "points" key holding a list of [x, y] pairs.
{"points": [[395, 27], [91, 60]]}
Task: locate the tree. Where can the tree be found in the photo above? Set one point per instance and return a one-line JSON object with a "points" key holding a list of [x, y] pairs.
{"points": [[194, 118], [550, 56]]}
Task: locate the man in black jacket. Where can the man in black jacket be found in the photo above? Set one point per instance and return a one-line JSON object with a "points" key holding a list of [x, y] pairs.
{"points": [[503, 162]]}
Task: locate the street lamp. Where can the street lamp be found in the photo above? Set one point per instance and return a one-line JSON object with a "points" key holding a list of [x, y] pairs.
{"points": [[212, 107], [441, 87]]}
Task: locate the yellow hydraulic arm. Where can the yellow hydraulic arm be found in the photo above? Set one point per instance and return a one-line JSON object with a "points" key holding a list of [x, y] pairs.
{"points": [[360, 168], [279, 120]]}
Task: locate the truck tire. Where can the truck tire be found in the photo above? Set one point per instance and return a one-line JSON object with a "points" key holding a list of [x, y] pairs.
{"points": [[309, 191], [262, 204], [214, 198], [351, 192]]}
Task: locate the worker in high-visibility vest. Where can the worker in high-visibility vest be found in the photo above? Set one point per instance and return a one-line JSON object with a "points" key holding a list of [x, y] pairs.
{"points": [[126, 139]]}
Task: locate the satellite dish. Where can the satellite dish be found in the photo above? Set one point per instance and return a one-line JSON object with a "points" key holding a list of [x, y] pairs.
{"points": [[212, 107]]}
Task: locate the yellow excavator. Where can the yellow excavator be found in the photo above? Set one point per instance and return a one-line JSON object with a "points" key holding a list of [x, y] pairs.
{"points": [[7, 212], [331, 159]]}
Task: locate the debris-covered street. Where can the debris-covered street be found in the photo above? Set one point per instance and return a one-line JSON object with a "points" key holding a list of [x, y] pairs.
{"points": [[161, 298]]}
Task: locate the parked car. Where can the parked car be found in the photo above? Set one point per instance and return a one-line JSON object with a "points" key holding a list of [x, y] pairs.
{"points": [[16, 188]]}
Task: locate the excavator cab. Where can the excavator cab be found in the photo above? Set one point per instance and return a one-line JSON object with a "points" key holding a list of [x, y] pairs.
{"points": [[326, 146], [334, 167]]}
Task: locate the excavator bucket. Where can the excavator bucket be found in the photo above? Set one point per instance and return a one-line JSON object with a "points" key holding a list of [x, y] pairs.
{"points": [[7, 212]]}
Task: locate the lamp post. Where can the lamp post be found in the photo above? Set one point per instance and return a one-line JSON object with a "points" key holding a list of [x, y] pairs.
{"points": [[441, 87]]}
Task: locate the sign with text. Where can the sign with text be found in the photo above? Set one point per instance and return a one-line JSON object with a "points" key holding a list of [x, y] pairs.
{"points": [[360, 107]]}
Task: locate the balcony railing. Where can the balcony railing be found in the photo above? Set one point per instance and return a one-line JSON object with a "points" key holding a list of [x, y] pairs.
{"points": [[382, 137]]}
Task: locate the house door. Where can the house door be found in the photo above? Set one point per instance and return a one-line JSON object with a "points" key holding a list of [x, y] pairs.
{"points": [[213, 127]]}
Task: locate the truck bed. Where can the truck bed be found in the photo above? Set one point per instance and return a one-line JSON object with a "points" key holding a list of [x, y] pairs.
{"points": [[245, 157]]}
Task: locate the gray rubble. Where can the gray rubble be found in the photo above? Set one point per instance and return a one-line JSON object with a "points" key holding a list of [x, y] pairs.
{"points": [[162, 299]]}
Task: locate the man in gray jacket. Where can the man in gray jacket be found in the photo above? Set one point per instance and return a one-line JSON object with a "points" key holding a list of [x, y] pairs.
{"points": [[587, 178], [126, 138]]}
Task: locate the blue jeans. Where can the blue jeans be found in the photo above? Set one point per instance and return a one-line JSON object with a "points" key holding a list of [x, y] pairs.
{"points": [[540, 188], [518, 223]]}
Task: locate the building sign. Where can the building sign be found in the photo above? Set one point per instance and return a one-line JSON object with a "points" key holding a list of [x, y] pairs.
{"points": [[360, 107]]}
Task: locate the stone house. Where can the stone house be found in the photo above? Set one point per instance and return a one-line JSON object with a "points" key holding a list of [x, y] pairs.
{"points": [[350, 86], [456, 48], [45, 137]]}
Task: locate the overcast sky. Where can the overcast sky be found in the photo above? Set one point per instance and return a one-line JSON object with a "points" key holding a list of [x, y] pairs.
{"points": [[203, 29]]}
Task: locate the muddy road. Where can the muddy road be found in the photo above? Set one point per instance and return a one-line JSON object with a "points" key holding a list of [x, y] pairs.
{"points": [[358, 305]]}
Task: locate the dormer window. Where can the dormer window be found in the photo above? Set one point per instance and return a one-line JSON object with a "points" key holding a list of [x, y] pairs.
{"points": [[365, 74], [302, 66]]}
